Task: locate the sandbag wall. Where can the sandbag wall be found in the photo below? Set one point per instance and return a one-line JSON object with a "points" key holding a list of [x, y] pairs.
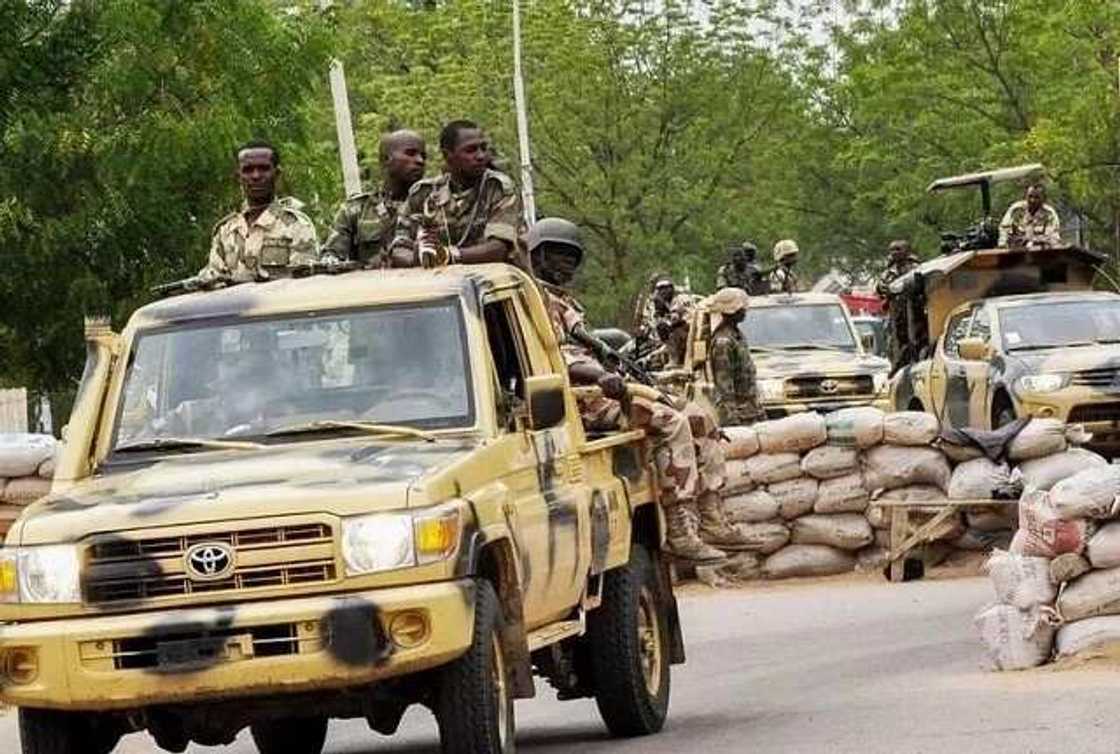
{"points": [[26, 468]]}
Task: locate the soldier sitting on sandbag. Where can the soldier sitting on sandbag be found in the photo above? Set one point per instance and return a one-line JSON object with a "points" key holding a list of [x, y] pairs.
{"points": [[688, 456]]}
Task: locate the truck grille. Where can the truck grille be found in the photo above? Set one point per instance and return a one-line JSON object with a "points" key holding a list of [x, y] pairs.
{"points": [[1095, 412], [122, 570], [845, 386], [1103, 377]]}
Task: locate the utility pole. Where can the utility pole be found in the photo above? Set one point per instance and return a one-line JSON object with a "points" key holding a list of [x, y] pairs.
{"points": [[344, 125], [528, 198]]}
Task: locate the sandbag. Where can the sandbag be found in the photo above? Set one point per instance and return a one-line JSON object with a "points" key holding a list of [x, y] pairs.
{"points": [[795, 497], [1095, 593], [773, 468], [979, 479], [765, 537], [1090, 493], [1016, 639], [844, 494], [25, 490], [741, 442], [751, 507], [21, 454], [1043, 533], [793, 434], [872, 558], [878, 516], [1044, 473], [959, 453], [1068, 567], [915, 493], [910, 428], [1020, 580], [8, 516], [860, 427], [1087, 636], [46, 468], [829, 462], [883, 538], [742, 567], [807, 560], [1039, 438], [889, 467], [1103, 549], [737, 478], [992, 519], [844, 531]]}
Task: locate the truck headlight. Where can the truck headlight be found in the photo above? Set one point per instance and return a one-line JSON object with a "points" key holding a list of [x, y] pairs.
{"points": [[45, 574], [880, 381], [771, 390], [1042, 383], [388, 541]]}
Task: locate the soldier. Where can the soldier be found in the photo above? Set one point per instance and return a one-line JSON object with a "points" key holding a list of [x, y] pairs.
{"points": [[735, 392], [742, 271], [665, 324], [688, 455], [470, 214], [1031, 222], [269, 235], [900, 260], [364, 224], [782, 278]]}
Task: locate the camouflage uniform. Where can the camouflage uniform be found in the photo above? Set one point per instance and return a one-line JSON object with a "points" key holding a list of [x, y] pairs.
{"points": [[280, 238], [672, 319], [898, 331], [733, 374], [489, 210], [1019, 224], [783, 280], [748, 279], [363, 228]]}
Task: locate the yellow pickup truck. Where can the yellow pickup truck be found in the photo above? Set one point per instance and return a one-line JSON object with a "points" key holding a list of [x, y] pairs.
{"points": [[334, 497]]}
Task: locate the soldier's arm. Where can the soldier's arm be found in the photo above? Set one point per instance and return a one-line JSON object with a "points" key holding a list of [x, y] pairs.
{"points": [[501, 238], [216, 263], [341, 241], [1054, 229], [723, 376], [402, 249], [1007, 226]]}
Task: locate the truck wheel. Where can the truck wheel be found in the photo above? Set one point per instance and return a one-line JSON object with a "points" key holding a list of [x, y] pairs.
{"points": [[474, 705], [291, 736], [52, 732], [629, 641]]}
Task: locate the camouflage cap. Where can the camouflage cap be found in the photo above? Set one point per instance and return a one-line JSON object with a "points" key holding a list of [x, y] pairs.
{"points": [[785, 249], [724, 302]]}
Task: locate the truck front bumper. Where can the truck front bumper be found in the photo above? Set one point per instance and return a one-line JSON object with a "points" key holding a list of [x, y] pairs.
{"points": [[248, 649], [779, 409]]}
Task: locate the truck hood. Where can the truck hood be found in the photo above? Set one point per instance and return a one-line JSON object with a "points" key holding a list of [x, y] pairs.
{"points": [[781, 364], [338, 477], [1067, 359]]}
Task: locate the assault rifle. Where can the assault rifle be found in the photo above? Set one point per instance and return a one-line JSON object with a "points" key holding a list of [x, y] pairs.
{"points": [[612, 359], [191, 284]]}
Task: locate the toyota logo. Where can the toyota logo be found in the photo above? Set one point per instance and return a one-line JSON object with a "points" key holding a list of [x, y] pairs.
{"points": [[829, 386], [209, 561]]}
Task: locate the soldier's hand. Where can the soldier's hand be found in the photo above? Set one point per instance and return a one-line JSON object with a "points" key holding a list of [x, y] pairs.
{"points": [[613, 386]]}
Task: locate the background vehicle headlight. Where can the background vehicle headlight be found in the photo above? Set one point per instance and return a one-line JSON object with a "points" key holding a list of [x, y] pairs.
{"points": [[880, 380], [1042, 383], [42, 574], [378, 542], [771, 390]]}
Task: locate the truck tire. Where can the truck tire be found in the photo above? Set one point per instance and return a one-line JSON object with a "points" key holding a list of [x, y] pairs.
{"points": [[291, 736], [52, 732], [474, 703], [629, 643]]}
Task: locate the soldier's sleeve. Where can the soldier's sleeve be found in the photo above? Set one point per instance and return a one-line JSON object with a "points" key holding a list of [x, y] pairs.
{"points": [[1007, 225], [504, 215], [340, 240], [1054, 228], [305, 241], [408, 222], [216, 263], [722, 368]]}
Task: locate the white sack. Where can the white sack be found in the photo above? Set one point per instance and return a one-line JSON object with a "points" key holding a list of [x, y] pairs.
{"points": [[795, 497], [1095, 593], [860, 427], [1068, 567], [25, 490], [1104, 546], [1042, 532], [1016, 639], [915, 493], [910, 428], [1089, 635], [1088, 494], [844, 494], [741, 442], [1039, 438], [764, 537], [845, 531], [1044, 473], [737, 478], [751, 507], [21, 454], [830, 461], [793, 434], [889, 467], [1020, 580], [872, 558], [978, 480], [773, 468], [807, 560]]}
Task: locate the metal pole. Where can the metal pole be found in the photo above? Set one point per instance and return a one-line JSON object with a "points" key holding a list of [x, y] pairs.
{"points": [[528, 198], [347, 151]]}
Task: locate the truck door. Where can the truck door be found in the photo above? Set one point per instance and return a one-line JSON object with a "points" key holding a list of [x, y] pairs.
{"points": [[948, 379], [978, 372]]}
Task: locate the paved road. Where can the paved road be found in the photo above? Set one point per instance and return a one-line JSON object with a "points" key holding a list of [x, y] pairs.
{"points": [[837, 666]]}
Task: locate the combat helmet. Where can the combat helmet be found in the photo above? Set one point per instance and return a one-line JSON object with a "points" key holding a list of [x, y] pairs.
{"points": [[786, 249], [557, 231]]}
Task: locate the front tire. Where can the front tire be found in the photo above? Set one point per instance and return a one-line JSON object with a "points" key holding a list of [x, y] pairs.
{"points": [[629, 642], [52, 732], [290, 736], [474, 705]]}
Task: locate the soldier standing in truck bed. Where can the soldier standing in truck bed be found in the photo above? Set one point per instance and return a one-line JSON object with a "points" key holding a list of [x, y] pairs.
{"points": [[742, 271], [783, 279], [1031, 222], [900, 260]]}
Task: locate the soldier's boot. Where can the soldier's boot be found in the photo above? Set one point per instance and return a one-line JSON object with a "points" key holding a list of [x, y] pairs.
{"points": [[683, 542], [715, 529]]}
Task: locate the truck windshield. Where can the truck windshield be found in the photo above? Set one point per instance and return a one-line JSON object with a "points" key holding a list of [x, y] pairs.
{"points": [[1060, 323], [391, 365], [798, 326]]}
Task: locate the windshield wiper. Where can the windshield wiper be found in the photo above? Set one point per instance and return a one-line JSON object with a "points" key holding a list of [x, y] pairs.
{"points": [[1043, 346], [812, 347], [368, 427], [166, 443]]}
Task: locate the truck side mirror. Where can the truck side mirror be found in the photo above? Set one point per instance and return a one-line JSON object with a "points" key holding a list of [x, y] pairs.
{"points": [[545, 396], [974, 349]]}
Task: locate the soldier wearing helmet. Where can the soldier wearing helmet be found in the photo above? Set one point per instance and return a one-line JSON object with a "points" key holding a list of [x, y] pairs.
{"points": [[735, 393], [742, 271], [783, 279], [900, 260], [663, 330], [688, 456]]}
